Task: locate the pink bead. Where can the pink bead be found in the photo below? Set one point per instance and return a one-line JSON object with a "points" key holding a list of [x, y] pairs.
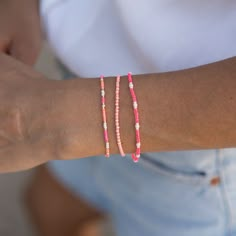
{"points": [[117, 99]]}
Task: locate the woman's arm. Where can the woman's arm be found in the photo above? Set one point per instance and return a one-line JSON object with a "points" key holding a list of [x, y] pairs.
{"points": [[187, 109], [43, 119]]}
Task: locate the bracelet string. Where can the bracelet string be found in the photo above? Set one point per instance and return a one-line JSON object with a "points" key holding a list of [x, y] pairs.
{"points": [[136, 155], [117, 120], [104, 117]]}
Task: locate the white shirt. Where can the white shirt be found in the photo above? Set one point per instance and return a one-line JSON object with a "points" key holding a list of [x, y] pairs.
{"points": [[110, 37]]}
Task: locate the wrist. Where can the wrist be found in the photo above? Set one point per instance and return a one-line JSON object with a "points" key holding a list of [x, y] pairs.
{"points": [[81, 121]]}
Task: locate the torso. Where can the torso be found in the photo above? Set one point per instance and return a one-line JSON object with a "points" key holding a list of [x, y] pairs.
{"points": [[113, 37]]}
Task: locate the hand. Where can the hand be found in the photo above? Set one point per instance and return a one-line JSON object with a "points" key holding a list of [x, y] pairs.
{"points": [[28, 116], [20, 33]]}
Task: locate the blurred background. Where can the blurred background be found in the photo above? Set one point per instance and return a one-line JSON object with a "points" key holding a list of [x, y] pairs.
{"points": [[14, 220]]}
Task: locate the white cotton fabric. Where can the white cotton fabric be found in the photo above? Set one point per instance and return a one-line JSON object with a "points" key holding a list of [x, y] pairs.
{"points": [[143, 36]]}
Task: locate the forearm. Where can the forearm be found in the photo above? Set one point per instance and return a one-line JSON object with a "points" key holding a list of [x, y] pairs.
{"points": [[188, 109]]}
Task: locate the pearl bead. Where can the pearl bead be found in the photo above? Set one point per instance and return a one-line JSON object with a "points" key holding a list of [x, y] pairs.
{"points": [[135, 104], [137, 126], [138, 145], [103, 93], [105, 125]]}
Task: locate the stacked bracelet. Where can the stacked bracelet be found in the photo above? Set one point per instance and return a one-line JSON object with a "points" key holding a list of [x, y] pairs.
{"points": [[117, 109], [103, 101], [136, 155]]}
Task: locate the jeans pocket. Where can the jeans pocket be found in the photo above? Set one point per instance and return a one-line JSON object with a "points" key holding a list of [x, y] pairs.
{"points": [[175, 173]]}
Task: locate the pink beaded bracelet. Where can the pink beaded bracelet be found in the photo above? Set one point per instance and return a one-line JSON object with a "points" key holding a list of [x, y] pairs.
{"points": [[103, 101], [117, 123], [136, 155]]}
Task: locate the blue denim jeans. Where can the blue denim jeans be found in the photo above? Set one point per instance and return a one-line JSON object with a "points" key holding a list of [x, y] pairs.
{"points": [[179, 193]]}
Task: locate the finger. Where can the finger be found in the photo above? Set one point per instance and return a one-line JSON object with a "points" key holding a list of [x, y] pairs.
{"points": [[5, 43], [26, 43], [26, 50]]}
